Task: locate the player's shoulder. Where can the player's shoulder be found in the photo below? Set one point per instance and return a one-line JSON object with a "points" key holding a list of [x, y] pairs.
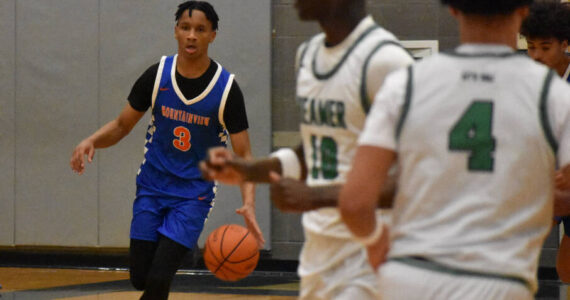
{"points": [[383, 45], [391, 55], [382, 33], [524, 69], [312, 41], [560, 89]]}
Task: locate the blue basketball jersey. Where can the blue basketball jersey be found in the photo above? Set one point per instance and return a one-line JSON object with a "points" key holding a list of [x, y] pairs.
{"points": [[180, 133]]}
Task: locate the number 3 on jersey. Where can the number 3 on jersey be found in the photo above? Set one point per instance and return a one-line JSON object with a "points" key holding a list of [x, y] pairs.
{"points": [[183, 141], [327, 151], [472, 133]]}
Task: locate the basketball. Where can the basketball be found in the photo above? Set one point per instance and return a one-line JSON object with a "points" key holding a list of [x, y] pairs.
{"points": [[231, 252]]}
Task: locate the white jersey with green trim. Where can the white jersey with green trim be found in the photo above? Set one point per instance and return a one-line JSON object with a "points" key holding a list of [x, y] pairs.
{"points": [[334, 100], [476, 132]]}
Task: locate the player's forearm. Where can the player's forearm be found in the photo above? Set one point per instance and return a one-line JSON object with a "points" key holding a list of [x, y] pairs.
{"points": [[388, 193], [359, 197], [248, 193], [357, 214], [323, 196], [327, 196], [561, 203], [110, 134], [258, 170]]}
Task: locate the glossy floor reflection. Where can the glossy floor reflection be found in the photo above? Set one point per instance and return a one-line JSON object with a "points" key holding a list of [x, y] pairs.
{"points": [[36, 283]]}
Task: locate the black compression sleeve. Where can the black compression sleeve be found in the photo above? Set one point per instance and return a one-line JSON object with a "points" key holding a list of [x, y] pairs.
{"points": [[235, 116], [141, 92]]}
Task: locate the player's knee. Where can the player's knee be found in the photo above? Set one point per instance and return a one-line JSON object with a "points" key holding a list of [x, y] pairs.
{"points": [[158, 283]]}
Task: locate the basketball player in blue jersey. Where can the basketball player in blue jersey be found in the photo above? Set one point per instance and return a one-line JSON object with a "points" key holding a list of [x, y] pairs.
{"points": [[547, 32], [194, 103], [338, 73], [477, 133]]}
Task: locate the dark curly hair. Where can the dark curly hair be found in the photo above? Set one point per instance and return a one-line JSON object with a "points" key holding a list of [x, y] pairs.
{"points": [[547, 20], [486, 7], [202, 6]]}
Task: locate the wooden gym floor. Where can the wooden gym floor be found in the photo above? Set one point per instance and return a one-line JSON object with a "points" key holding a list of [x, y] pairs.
{"points": [[76, 284], [92, 284]]}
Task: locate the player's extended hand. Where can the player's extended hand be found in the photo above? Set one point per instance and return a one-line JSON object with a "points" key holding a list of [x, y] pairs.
{"points": [[77, 161], [248, 213], [224, 166], [378, 251], [290, 195]]}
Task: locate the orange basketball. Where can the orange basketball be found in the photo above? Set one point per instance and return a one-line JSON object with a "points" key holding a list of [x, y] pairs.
{"points": [[231, 252]]}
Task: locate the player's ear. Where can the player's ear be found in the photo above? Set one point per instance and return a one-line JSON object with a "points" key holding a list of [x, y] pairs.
{"points": [[213, 36]]}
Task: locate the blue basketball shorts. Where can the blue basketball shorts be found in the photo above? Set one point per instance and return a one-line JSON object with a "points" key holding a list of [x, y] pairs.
{"points": [[180, 220]]}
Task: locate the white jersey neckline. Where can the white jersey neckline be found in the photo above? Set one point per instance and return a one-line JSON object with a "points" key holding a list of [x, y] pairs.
{"points": [[204, 93], [353, 36], [567, 73]]}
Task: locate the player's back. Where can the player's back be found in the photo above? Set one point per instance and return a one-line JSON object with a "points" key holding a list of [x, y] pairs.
{"points": [[475, 148]]}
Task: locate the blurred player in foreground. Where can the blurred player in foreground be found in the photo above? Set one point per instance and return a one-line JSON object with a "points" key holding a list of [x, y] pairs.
{"points": [[476, 134], [338, 73]]}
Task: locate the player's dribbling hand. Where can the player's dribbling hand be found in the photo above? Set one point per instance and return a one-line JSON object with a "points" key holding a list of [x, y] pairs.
{"points": [[77, 161], [222, 165], [248, 213], [378, 251]]}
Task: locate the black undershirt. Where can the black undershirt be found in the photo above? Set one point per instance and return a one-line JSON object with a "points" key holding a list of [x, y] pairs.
{"points": [[235, 116]]}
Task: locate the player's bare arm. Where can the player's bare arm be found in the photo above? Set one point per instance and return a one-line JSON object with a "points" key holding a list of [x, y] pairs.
{"points": [[290, 195], [358, 198], [242, 149], [223, 166], [108, 135], [562, 178], [561, 202]]}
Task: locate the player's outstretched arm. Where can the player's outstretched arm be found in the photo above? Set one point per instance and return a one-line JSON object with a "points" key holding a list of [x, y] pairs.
{"points": [[242, 149], [295, 196], [359, 197], [224, 166], [106, 136], [291, 195]]}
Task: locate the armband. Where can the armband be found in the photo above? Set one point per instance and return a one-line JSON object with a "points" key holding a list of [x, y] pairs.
{"points": [[372, 237], [290, 164]]}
